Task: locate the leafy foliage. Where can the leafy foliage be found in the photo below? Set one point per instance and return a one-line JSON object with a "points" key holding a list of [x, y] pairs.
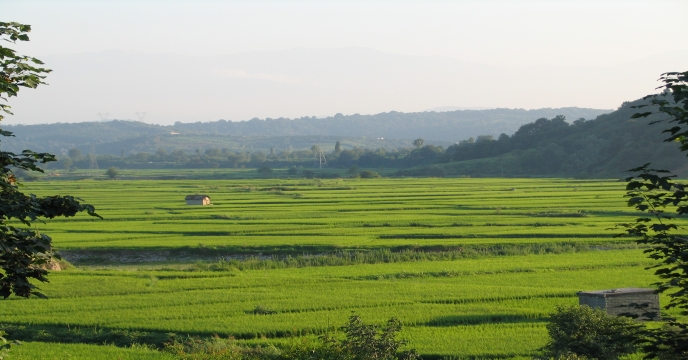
{"points": [[24, 253], [654, 192], [584, 331], [16, 71], [361, 342], [369, 174], [308, 174], [651, 192], [264, 170], [673, 103], [365, 342], [604, 147], [4, 346], [112, 172]]}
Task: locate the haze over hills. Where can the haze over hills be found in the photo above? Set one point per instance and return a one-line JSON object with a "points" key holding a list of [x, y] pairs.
{"points": [[605, 146], [387, 130], [314, 82]]}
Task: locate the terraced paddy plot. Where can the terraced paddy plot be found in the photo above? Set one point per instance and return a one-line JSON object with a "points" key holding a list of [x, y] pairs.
{"points": [[500, 300], [264, 215], [496, 256]]}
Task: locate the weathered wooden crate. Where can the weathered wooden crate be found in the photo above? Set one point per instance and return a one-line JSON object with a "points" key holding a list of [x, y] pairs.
{"points": [[642, 304]]}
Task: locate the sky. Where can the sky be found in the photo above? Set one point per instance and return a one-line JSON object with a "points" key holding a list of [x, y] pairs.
{"points": [[245, 52]]}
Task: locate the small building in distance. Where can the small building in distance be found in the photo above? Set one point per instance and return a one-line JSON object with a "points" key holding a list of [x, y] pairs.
{"points": [[197, 200], [643, 304]]}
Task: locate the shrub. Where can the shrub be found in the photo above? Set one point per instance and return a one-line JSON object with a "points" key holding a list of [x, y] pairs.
{"points": [[112, 172], [365, 342], [308, 174], [592, 333], [293, 170], [369, 174], [264, 170], [4, 346], [362, 342], [435, 171], [193, 348]]}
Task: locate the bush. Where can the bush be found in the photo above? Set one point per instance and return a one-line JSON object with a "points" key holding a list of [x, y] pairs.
{"points": [[668, 342], [586, 332], [293, 170], [370, 342], [362, 342], [308, 174], [369, 174], [112, 172], [264, 170], [4, 346], [435, 171]]}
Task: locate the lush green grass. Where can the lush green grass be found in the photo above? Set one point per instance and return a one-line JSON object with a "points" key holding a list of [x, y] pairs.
{"points": [[481, 306], [509, 294], [53, 351], [265, 215]]}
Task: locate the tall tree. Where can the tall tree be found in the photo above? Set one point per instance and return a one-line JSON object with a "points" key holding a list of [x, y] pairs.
{"points": [[24, 252], [653, 192], [112, 172]]}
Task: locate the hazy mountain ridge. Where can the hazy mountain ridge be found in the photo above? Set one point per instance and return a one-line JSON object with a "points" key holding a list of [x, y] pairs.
{"points": [[449, 126], [304, 82], [380, 130]]}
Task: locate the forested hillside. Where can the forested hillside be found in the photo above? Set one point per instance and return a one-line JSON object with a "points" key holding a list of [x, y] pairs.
{"points": [[606, 146], [549, 146], [387, 130], [449, 126]]}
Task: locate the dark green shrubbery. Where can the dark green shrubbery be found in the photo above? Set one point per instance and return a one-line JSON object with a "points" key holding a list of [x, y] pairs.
{"points": [[308, 174], [83, 335], [584, 332], [4, 346], [362, 342], [264, 170], [365, 342], [369, 174]]}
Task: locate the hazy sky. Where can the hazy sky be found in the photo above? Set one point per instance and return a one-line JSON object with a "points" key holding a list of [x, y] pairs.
{"points": [[504, 34]]}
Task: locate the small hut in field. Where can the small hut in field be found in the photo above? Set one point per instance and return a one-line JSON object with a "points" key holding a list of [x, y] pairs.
{"points": [[642, 304], [197, 200]]}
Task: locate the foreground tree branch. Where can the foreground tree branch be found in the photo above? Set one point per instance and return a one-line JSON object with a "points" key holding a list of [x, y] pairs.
{"points": [[24, 252]]}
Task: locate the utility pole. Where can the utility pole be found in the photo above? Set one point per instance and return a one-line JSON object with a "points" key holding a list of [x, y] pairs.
{"points": [[320, 159], [141, 115], [92, 155]]}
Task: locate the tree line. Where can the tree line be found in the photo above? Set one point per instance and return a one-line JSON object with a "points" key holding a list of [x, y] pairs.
{"points": [[603, 147], [392, 129], [213, 157]]}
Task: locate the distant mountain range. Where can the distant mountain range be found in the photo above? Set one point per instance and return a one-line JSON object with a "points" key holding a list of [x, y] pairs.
{"points": [[391, 130]]}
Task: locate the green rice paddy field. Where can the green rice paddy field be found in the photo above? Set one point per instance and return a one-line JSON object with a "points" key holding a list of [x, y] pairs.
{"points": [[483, 260]]}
